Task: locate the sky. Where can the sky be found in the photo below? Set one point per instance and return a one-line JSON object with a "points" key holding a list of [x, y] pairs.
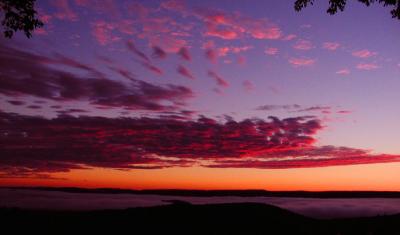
{"points": [[202, 95]]}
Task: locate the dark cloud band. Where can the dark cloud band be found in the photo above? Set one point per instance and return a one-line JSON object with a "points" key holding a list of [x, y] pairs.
{"points": [[32, 146]]}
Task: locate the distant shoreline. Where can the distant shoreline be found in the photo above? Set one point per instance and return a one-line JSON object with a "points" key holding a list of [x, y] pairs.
{"points": [[218, 193]]}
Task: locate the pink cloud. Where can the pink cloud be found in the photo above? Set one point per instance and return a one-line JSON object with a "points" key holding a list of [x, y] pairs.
{"points": [[223, 51], [248, 85], [208, 44], [102, 32], [210, 52], [64, 11], [180, 34], [40, 31], [364, 53], [68, 143], [367, 66], [137, 9], [227, 61], [221, 33], [152, 26], [108, 7], [298, 62], [174, 5], [260, 32], [126, 27], [211, 55], [45, 18], [82, 2], [289, 37], [235, 25], [170, 43], [165, 31], [332, 46], [343, 72], [303, 45], [241, 60], [80, 142], [271, 51], [240, 49]]}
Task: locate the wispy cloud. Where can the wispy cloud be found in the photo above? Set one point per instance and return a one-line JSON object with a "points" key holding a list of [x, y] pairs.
{"points": [[102, 32], [248, 85], [159, 53], [302, 44], [152, 68], [271, 107], [131, 46], [234, 25], [332, 46], [289, 37], [182, 70], [221, 33], [271, 51], [295, 108], [364, 53], [343, 72], [367, 66], [64, 10], [219, 80], [94, 87], [184, 54], [301, 62]]}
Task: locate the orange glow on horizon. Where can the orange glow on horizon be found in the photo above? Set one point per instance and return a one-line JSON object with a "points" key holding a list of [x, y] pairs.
{"points": [[374, 177]]}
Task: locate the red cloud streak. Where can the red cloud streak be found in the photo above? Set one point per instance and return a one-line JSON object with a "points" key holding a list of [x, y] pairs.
{"points": [[27, 74], [35, 146]]}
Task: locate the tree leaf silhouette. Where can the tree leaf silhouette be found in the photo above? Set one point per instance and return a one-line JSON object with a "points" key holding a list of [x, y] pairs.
{"points": [[19, 15], [335, 5]]}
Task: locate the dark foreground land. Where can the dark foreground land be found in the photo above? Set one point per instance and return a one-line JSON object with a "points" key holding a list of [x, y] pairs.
{"points": [[213, 193], [184, 218]]}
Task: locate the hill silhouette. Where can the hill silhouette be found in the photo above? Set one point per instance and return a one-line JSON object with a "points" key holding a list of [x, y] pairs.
{"points": [[240, 193], [185, 218]]}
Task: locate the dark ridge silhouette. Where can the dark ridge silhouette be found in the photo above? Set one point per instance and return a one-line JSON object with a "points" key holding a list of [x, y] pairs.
{"points": [[184, 218], [178, 202], [211, 193]]}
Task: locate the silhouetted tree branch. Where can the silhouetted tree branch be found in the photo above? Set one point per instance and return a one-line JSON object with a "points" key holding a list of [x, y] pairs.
{"points": [[334, 5], [19, 15]]}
